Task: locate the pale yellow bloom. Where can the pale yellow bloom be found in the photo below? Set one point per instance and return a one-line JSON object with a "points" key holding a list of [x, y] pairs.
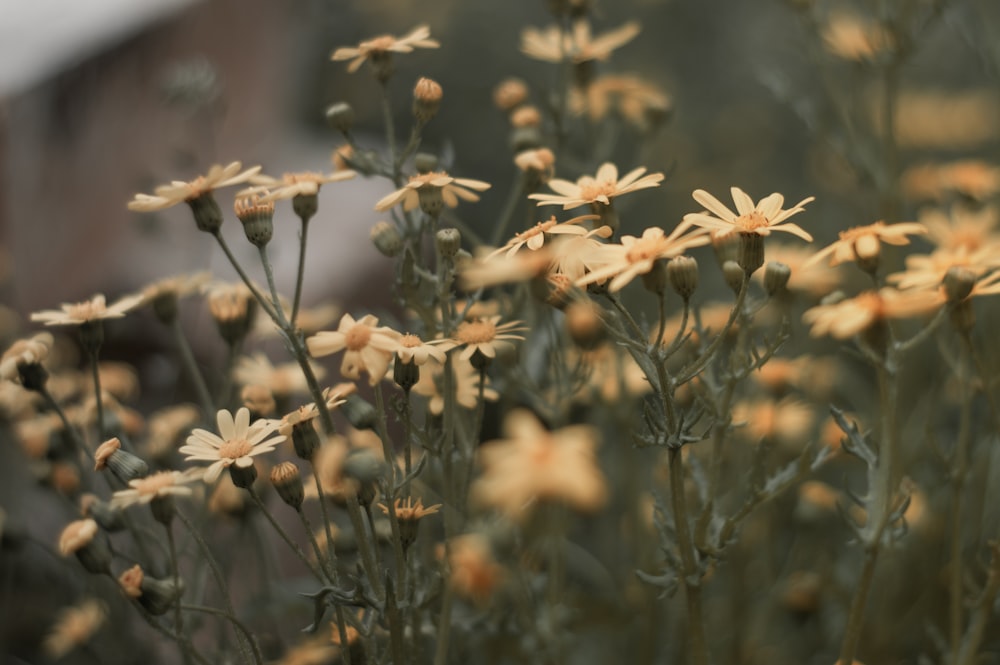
{"points": [[855, 315], [761, 218], [485, 336], [638, 102], [452, 189], [95, 309], [368, 347], [24, 352], [157, 485], [962, 229], [636, 256], [282, 380], [74, 627], [290, 185], [863, 242], [604, 186], [411, 349], [238, 444], [383, 45], [554, 45], [178, 191], [534, 238]]}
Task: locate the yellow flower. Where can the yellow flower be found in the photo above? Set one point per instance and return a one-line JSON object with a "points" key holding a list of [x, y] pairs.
{"points": [[638, 102], [178, 191], [411, 349], [487, 271], [762, 218], [383, 45], [534, 238], [282, 380], [852, 38], [473, 571], [153, 486], [485, 336], [854, 315], [863, 242], [604, 186], [95, 309], [962, 229], [238, 444], [451, 190], [554, 45], [535, 464], [636, 256], [25, 352], [290, 185], [368, 347], [465, 383]]}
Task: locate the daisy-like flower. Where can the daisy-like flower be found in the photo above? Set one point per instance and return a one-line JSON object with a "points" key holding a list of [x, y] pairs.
{"points": [[862, 244], [534, 238], [484, 272], [855, 315], [466, 385], [411, 349], [282, 380], [238, 444], [600, 188], [290, 185], [430, 190], [308, 412], [554, 45], [178, 191], [23, 353], [368, 347], [381, 47], [760, 219], [850, 37], [534, 464], [636, 256], [155, 486], [971, 178], [926, 271], [485, 337], [95, 309], [637, 101], [962, 229], [164, 294], [74, 627]]}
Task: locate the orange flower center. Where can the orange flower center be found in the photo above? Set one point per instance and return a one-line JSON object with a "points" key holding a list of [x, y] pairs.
{"points": [[476, 332], [235, 449], [644, 249], [358, 337], [376, 44], [542, 453], [591, 192], [410, 341], [752, 221], [151, 485]]}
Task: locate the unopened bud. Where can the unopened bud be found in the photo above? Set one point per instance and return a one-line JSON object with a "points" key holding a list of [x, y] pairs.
{"points": [[751, 252], [405, 374], [734, 275], [387, 239], [305, 440], [776, 276], [448, 242], [287, 483], [360, 413], [683, 274], [340, 116], [207, 213], [426, 99], [243, 476], [510, 93], [656, 279]]}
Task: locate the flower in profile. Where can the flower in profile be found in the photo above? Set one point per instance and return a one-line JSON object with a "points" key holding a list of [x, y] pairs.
{"points": [[539, 161], [535, 464], [178, 191], [555, 45], [384, 45], [368, 347], [962, 229], [855, 315], [474, 572], [155, 486], [465, 384], [926, 271], [411, 349], [850, 37], [485, 337], [95, 309], [290, 185], [603, 187], [424, 186], [971, 178], [238, 444], [636, 256], [307, 413], [484, 272], [74, 627], [534, 238], [24, 353], [862, 244], [612, 375], [282, 380], [760, 219]]}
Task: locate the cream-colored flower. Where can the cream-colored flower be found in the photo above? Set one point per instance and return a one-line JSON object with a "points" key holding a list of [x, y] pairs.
{"points": [[485, 272], [95, 309], [290, 185], [637, 101], [238, 444], [410, 510], [411, 349], [972, 178], [963, 230], [368, 347], [863, 242], [927, 271], [578, 46], [177, 286], [451, 189], [334, 397], [31, 351], [465, 383], [762, 218], [77, 535], [855, 315], [484, 336], [178, 191], [166, 427], [383, 45], [74, 627], [534, 238], [282, 380], [540, 160], [636, 256], [534, 464], [850, 37], [603, 187], [154, 486]]}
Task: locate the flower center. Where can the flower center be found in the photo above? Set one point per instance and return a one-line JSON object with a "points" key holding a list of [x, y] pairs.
{"points": [[358, 337], [476, 332], [235, 449], [644, 249], [85, 311], [591, 192], [538, 229], [752, 221], [151, 485], [381, 43], [410, 341]]}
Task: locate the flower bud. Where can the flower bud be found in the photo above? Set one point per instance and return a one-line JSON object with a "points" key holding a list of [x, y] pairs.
{"points": [[340, 116], [655, 280], [107, 516], [305, 440], [257, 217], [207, 213], [305, 206], [510, 93], [958, 283], [158, 596], [361, 414], [751, 252], [585, 324], [734, 275], [683, 274], [288, 483], [405, 374], [243, 476], [387, 239], [448, 242], [90, 545], [426, 99], [122, 463], [776, 276]]}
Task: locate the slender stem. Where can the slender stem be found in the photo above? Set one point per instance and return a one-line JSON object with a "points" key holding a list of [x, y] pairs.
{"points": [[258, 657], [390, 459], [183, 644], [364, 544], [984, 612], [284, 536], [444, 624], [407, 443], [73, 434], [301, 270], [959, 474], [695, 368], [331, 552], [390, 134], [226, 389], [191, 365], [98, 398], [692, 577], [515, 196], [177, 637], [855, 617], [246, 280], [323, 560]]}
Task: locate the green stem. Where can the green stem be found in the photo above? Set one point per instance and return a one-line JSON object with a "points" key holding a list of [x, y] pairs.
{"points": [[959, 474], [514, 197], [191, 365], [695, 368], [73, 434], [365, 545], [691, 575], [183, 644], [284, 536], [301, 270], [246, 280], [331, 553], [855, 617], [99, 400]]}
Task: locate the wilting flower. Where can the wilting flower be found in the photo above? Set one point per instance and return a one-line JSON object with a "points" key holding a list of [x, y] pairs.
{"points": [[534, 464], [636, 256], [384, 45], [600, 188], [95, 309], [762, 218], [863, 242], [238, 444], [178, 191], [534, 238], [554, 45], [855, 315], [368, 347], [450, 189], [154, 486]]}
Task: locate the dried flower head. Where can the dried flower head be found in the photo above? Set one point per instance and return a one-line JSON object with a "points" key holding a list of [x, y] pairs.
{"points": [[238, 444], [167, 196], [95, 309], [603, 187]]}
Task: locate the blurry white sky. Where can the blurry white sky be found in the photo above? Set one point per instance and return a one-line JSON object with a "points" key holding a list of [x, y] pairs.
{"points": [[39, 38]]}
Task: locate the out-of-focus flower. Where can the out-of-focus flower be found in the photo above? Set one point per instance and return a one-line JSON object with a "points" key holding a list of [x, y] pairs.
{"points": [[384, 45], [74, 627], [602, 187], [948, 120], [282, 380], [612, 375], [474, 572], [238, 444], [761, 218], [862, 243], [540, 161], [167, 196], [963, 230], [787, 421], [290, 185], [851, 37], [485, 271], [166, 426], [466, 385], [638, 102], [484, 336], [31, 351], [534, 238], [854, 315], [972, 178], [812, 280], [636, 256], [368, 347], [578, 45], [450, 189], [155, 486], [95, 309]]}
